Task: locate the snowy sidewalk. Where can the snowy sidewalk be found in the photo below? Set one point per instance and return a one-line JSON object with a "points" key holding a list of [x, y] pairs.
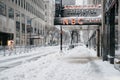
{"points": [[17, 59], [79, 63]]}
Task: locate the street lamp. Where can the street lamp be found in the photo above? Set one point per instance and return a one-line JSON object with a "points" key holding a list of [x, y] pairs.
{"points": [[60, 27], [61, 32]]}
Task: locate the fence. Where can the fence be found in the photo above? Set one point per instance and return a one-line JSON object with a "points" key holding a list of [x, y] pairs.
{"points": [[4, 50]]}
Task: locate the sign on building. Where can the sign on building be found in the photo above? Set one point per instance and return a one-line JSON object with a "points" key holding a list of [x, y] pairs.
{"points": [[81, 11], [79, 15]]}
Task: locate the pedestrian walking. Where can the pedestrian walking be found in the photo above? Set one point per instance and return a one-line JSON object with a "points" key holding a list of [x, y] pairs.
{"points": [[10, 46]]}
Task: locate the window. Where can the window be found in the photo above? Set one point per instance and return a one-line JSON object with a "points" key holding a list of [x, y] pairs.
{"points": [[16, 1], [11, 13], [13, 1], [2, 8], [26, 6], [17, 27], [22, 3], [45, 6], [19, 2], [23, 23]]}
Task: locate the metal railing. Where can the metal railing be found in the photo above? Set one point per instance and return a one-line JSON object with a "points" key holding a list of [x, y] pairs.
{"points": [[5, 51]]}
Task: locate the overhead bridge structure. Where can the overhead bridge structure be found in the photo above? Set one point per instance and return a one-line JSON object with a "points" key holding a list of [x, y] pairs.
{"points": [[79, 15], [68, 16]]}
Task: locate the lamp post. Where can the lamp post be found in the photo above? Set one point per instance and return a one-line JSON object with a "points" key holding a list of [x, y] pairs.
{"points": [[60, 27], [61, 32]]}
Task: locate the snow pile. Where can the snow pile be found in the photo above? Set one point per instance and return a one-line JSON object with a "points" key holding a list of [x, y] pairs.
{"points": [[81, 51], [79, 63]]}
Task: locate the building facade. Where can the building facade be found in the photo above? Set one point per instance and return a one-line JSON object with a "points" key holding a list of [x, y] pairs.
{"points": [[110, 30], [68, 2], [92, 34], [22, 21], [96, 1], [89, 2], [49, 12], [107, 35], [49, 19]]}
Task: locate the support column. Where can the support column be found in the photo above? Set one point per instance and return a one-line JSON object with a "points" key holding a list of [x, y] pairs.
{"points": [[20, 29], [25, 30], [98, 42], [14, 27], [103, 48], [112, 35]]}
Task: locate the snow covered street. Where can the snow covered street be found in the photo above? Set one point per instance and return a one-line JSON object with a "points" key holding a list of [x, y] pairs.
{"points": [[79, 63]]}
